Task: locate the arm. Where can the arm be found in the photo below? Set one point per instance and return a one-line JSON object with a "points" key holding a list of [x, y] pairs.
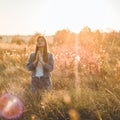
{"points": [[49, 66], [31, 64]]}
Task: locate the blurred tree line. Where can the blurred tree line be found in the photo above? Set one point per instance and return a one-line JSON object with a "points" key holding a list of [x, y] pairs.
{"points": [[85, 37]]}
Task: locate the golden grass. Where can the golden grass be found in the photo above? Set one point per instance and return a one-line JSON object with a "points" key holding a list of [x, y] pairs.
{"points": [[96, 96]]}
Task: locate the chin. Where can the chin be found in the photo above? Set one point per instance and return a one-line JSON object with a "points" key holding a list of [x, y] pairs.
{"points": [[40, 46]]}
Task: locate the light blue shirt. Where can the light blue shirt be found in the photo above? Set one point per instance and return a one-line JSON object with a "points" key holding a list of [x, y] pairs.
{"points": [[39, 70]]}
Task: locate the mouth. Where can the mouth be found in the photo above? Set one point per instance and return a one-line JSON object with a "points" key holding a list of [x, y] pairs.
{"points": [[40, 46]]}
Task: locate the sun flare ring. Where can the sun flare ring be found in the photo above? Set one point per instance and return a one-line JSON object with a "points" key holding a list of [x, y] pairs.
{"points": [[11, 107]]}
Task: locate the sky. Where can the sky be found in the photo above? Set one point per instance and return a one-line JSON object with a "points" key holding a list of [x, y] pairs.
{"points": [[48, 16]]}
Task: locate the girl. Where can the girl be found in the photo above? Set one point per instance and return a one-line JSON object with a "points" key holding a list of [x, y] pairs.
{"points": [[41, 63]]}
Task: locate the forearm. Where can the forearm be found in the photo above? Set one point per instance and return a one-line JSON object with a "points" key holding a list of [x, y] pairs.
{"points": [[47, 66], [30, 66], [35, 63]]}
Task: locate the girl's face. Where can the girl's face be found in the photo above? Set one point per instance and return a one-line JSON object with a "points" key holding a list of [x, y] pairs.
{"points": [[40, 43]]}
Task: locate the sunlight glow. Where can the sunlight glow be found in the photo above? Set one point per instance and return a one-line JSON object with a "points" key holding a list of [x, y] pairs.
{"points": [[77, 58]]}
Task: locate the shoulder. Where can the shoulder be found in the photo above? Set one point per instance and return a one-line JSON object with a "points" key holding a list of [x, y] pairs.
{"points": [[32, 54]]}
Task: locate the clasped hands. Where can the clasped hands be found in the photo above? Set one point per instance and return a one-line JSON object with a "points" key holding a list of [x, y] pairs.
{"points": [[38, 58]]}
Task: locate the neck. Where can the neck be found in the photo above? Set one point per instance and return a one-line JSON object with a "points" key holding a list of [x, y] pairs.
{"points": [[41, 50]]}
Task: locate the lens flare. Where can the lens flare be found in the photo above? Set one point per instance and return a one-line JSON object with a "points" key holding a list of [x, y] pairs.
{"points": [[77, 58], [11, 107]]}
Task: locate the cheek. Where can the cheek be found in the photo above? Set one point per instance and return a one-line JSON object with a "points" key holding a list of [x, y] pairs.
{"points": [[43, 43]]}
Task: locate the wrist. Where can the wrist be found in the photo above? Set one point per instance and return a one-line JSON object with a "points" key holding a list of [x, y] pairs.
{"points": [[35, 62], [43, 63]]}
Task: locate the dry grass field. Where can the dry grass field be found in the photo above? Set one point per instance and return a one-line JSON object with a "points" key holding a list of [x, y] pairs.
{"points": [[86, 79]]}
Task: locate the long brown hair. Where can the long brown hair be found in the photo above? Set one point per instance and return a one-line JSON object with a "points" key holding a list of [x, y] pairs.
{"points": [[45, 52]]}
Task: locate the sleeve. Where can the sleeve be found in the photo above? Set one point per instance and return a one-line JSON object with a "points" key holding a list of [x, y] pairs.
{"points": [[30, 66], [50, 66]]}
